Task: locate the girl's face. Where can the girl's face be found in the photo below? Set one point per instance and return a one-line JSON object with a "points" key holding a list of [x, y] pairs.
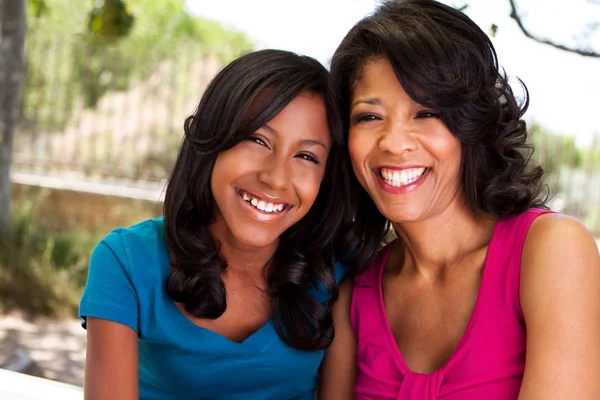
{"points": [[402, 153], [268, 182]]}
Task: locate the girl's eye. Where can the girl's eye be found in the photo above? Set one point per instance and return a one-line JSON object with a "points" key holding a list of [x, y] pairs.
{"points": [[308, 157], [427, 114], [258, 140], [364, 118]]}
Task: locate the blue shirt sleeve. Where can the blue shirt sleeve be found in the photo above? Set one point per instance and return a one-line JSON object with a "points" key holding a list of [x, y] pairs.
{"points": [[109, 292], [319, 292], [341, 271]]}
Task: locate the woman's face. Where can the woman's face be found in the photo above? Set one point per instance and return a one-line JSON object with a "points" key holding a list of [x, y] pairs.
{"points": [[267, 183], [402, 153]]}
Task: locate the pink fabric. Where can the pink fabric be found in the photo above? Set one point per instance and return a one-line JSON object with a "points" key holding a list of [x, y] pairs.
{"points": [[488, 362]]}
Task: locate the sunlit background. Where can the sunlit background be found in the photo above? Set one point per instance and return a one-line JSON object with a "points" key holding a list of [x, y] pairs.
{"points": [[102, 108], [565, 88]]}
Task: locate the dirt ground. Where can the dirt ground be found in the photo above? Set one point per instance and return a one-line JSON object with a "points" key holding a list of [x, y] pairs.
{"points": [[55, 347]]}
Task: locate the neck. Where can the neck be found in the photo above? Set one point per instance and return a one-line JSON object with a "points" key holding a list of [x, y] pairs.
{"points": [[432, 244]]}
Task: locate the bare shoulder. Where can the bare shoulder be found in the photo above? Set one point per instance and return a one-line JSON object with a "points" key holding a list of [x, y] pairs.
{"points": [[560, 299], [560, 254], [345, 293], [338, 370], [341, 309], [558, 222], [557, 235]]}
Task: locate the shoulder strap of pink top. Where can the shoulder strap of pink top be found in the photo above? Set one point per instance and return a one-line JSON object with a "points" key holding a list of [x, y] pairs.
{"points": [[505, 253], [365, 294]]}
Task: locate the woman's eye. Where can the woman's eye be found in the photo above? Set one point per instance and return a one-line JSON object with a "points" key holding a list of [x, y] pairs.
{"points": [[427, 114], [308, 157], [364, 118]]}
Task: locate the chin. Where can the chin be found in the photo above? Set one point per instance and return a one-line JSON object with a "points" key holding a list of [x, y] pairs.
{"points": [[406, 215], [256, 239]]}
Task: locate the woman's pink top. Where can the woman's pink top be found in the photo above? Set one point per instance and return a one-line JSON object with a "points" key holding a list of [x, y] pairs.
{"points": [[489, 360]]}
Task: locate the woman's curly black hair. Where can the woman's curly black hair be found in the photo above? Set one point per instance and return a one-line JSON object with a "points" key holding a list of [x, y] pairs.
{"points": [[244, 96], [444, 61]]}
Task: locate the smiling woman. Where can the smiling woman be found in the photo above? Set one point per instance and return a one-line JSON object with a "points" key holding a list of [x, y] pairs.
{"points": [[485, 293], [225, 297], [379, 158]]}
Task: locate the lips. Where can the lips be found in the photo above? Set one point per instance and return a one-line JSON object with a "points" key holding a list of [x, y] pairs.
{"points": [[261, 204], [401, 180], [261, 207], [401, 177]]}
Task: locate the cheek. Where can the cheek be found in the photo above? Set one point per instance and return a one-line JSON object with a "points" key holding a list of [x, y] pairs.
{"points": [[228, 167], [450, 150], [354, 147], [358, 149], [237, 161], [441, 144], [307, 185], [217, 174]]}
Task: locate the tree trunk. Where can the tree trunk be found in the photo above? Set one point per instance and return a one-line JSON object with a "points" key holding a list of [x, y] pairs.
{"points": [[13, 27]]}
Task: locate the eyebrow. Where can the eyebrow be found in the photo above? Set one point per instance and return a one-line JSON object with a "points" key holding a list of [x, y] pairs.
{"points": [[371, 101], [306, 142]]}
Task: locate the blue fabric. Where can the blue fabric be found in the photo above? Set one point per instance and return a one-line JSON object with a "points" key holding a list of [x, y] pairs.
{"points": [[126, 283]]}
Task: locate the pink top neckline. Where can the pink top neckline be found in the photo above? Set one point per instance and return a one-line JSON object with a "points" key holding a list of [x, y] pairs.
{"points": [[388, 330], [489, 359]]}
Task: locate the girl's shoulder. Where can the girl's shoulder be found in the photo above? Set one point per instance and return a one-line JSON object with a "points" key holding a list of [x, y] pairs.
{"points": [[137, 241]]}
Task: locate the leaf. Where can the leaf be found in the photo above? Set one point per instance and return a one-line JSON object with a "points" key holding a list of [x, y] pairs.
{"points": [[111, 20], [37, 8], [493, 30]]}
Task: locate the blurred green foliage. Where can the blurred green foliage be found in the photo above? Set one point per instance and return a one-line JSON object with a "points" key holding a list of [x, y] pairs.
{"points": [[78, 52], [110, 20], [556, 152], [42, 272]]}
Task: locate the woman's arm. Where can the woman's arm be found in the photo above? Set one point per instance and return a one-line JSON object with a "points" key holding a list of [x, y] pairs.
{"points": [[339, 369], [111, 366], [560, 298]]}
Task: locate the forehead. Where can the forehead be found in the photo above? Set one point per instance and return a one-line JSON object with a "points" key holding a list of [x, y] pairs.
{"points": [[374, 72], [377, 77], [305, 117]]}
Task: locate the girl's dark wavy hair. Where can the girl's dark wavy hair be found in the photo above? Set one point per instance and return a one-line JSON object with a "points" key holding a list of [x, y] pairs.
{"points": [[244, 96], [444, 61]]}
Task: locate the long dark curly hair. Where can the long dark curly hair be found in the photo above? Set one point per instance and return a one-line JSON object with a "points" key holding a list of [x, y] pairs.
{"points": [[304, 260], [444, 61]]}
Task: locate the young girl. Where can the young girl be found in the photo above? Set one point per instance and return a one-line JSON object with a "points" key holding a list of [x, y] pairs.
{"points": [[228, 296], [485, 294]]}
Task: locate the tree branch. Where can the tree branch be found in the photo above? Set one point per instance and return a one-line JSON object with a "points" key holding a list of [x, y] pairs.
{"points": [[515, 15], [13, 27]]}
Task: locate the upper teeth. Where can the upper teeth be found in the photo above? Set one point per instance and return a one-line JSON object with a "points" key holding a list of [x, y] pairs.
{"points": [[263, 205], [401, 178]]}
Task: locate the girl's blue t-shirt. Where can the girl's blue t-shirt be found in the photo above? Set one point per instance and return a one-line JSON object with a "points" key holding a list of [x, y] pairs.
{"points": [[127, 278]]}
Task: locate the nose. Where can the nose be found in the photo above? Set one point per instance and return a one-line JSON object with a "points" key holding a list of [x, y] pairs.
{"points": [[398, 139], [275, 174]]}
